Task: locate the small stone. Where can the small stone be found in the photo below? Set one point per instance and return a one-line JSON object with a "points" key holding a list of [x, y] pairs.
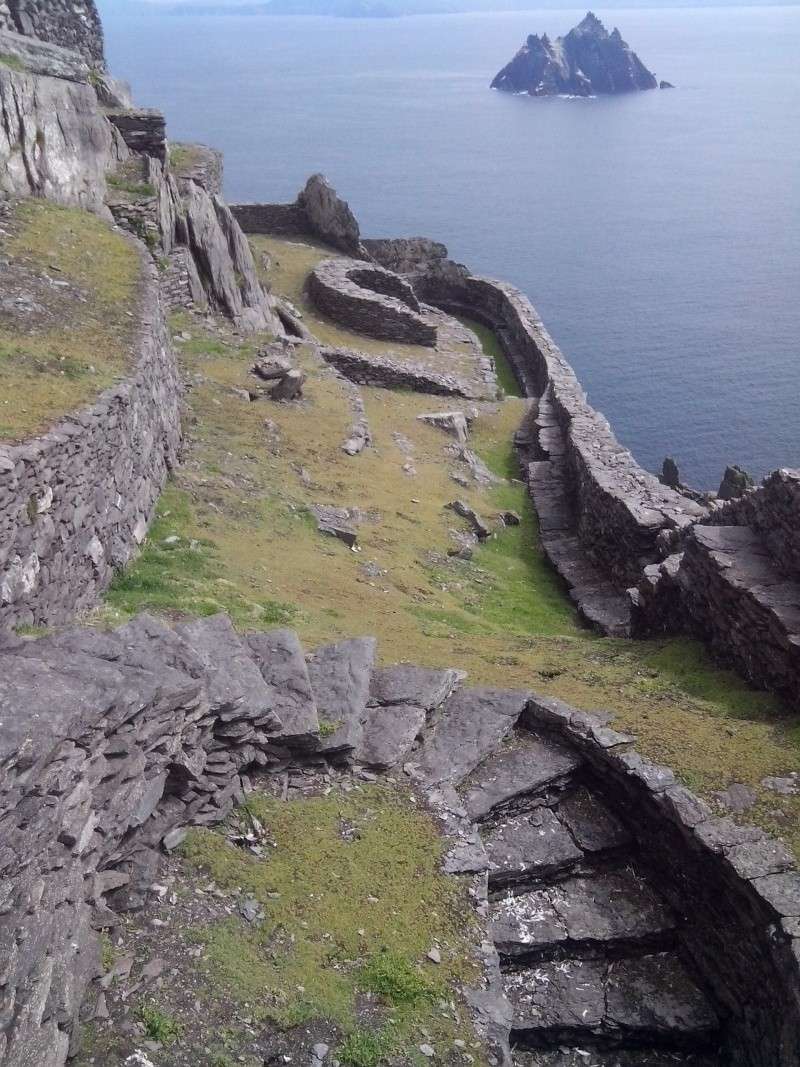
{"points": [[435, 955], [175, 837], [427, 1050], [320, 1051]]}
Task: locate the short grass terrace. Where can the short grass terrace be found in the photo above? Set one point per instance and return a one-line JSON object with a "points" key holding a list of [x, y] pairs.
{"points": [[66, 314], [235, 532], [317, 915]]}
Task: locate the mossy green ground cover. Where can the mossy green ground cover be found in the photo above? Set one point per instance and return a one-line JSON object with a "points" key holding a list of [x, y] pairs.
{"points": [[350, 901], [345, 914], [71, 337], [247, 544]]}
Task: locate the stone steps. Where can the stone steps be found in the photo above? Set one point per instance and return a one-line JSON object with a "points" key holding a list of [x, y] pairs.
{"points": [[636, 1002], [603, 914], [600, 603]]}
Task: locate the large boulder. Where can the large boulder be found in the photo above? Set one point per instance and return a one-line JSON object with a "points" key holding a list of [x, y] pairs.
{"points": [[330, 217]]}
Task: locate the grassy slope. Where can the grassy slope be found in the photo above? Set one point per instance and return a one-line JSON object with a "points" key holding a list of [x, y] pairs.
{"points": [[67, 355], [248, 545]]}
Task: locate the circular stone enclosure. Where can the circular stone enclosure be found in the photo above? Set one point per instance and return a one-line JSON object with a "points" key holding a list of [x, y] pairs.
{"points": [[370, 300]]}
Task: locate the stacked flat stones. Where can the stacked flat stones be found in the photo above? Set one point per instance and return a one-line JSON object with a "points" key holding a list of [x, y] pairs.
{"points": [[373, 301], [622, 917], [736, 583]]}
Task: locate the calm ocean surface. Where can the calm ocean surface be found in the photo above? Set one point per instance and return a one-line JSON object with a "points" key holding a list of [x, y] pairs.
{"points": [[657, 234]]}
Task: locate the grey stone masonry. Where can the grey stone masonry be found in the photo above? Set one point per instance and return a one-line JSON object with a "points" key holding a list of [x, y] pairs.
{"points": [[76, 502], [370, 300], [73, 24], [392, 374]]}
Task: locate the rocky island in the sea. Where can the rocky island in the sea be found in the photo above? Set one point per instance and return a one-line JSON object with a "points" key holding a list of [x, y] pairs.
{"points": [[587, 61]]}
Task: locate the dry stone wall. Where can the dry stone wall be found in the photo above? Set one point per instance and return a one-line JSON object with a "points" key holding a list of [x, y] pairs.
{"points": [[620, 508], [371, 300], [127, 738], [737, 889], [75, 502], [73, 24]]}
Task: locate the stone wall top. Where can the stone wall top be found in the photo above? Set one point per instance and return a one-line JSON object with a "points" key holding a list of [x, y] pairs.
{"points": [[73, 24], [76, 501]]}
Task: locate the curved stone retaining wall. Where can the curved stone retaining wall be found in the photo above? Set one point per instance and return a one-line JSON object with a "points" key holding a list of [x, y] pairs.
{"points": [[737, 889], [75, 502], [371, 300], [620, 508]]}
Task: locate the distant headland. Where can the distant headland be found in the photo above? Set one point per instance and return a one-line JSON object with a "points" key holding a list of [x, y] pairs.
{"points": [[588, 61]]}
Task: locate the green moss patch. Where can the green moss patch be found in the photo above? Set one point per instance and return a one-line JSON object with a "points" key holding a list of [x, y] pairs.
{"points": [[353, 901]]}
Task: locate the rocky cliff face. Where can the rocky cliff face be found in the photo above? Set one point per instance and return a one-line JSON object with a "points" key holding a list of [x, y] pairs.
{"points": [[73, 24], [588, 60]]}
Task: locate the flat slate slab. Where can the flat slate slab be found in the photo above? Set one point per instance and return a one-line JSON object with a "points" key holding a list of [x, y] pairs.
{"points": [[532, 845], [606, 910], [644, 999], [524, 765], [340, 677], [591, 824], [470, 725], [279, 656], [388, 734], [424, 687], [640, 1057], [233, 681]]}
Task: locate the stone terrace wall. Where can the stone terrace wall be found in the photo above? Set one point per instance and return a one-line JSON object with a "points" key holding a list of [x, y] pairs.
{"points": [[75, 502], [737, 889], [73, 24], [620, 507], [773, 511], [276, 220]]}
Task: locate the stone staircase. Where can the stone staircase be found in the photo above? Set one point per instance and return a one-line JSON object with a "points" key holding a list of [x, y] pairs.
{"points": [[541, 446], [586, 955]]}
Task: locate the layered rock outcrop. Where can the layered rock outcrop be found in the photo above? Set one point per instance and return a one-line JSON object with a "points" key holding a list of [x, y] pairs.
{"points": [[54, 140], [587, 61], [317, 212]]}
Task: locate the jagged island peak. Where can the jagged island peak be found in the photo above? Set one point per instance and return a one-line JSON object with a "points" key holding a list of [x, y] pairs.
{"points": [[587, 61]]}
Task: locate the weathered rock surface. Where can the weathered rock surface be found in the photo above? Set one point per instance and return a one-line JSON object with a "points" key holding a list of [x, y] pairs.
{"points": [[279, 656], [471, 723], [340, 675], [152, 728], [588, 60], [329, 217], [54, 140]]}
